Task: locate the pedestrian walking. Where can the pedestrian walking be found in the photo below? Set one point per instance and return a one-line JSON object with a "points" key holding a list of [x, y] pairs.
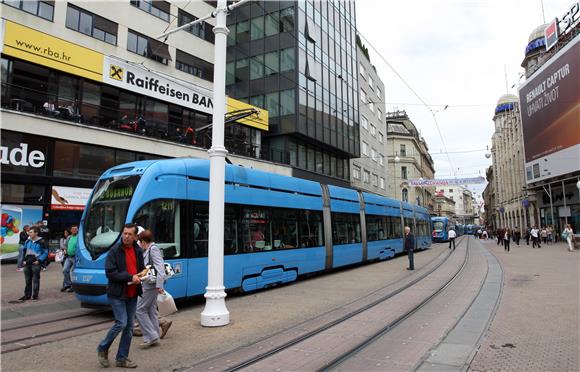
{"points": [[506, 240], [550, 231], [499, 234], [517, 236], [568, 236], [544, 235], [23, 237], [62, 243], [124, 263], [410, 247], [535, 233], [528, 235], [36, 251], [147, 314], [452, 235], [69, 261]]}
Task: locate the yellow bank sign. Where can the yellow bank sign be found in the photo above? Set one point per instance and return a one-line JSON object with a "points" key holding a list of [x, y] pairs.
{"points": [[258, 121], [37, 47]]}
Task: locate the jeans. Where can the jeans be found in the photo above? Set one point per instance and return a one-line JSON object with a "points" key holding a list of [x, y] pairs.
{"points": [[124, 312], [69, 265], [32, 279], [411, 260], [451, 241]]}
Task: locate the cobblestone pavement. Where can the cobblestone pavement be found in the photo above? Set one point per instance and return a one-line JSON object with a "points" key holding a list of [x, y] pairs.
{"points": [[537, 325]]}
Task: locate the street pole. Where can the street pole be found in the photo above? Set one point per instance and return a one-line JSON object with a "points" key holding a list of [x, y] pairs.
{"points": [[215, 313]]}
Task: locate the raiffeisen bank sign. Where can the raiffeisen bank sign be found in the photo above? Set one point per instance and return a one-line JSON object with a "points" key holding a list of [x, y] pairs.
{"points": [[152, 84]]}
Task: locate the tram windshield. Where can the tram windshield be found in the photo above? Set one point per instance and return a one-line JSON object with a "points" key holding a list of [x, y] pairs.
{"points": [[107, 213], [438, 225]]}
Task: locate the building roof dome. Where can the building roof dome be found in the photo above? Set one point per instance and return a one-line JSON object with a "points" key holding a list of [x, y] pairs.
{"points": [[537, 33], [506, 103], [507, 98]]}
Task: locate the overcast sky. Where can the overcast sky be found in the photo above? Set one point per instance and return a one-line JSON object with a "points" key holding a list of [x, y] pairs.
{"points": [[452, 52]]}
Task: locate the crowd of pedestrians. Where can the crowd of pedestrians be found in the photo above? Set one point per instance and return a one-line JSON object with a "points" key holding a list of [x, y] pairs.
{"points": [[537, 235]]}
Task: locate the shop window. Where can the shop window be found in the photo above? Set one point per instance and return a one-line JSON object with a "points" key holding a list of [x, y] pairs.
{"points": [[160, 9], [91, 24], [22, 194], [43, 9]]}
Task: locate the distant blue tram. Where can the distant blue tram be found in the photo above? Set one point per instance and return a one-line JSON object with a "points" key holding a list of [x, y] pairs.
{"points": [[459, 229], [441, 227], [276, 227]]}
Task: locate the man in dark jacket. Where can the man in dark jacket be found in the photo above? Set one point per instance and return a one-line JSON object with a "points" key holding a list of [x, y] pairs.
{"points": [[124, 262], [409, 247], [36, 251]]}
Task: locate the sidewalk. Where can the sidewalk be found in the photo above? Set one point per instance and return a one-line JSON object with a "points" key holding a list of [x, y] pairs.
{"points": [[536, 327]]}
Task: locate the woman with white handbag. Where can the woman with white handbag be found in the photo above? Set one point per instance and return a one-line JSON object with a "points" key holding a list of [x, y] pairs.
{"points": [[152, 284]]}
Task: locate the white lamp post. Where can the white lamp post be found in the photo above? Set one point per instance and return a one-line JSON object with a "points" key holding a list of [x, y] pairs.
{"points": [[215, 313]]}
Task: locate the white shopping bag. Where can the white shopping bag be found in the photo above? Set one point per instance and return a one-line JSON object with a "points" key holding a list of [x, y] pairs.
{"points": [[166, 304]]}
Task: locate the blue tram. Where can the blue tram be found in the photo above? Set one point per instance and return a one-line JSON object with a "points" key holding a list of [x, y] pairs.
{"points": [[441, 226], [275, 229], [470, 230], [459, 229]]}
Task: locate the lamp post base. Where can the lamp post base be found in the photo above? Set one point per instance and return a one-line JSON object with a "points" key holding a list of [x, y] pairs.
{"points": [[215, 313]]}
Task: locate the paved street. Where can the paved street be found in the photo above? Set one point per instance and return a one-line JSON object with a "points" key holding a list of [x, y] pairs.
{"points": [[535, 328]]}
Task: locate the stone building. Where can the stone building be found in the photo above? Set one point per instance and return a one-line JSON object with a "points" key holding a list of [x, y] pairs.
{"points": [[408, 158]]}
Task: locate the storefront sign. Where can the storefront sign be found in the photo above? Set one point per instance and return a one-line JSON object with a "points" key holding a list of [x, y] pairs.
{"points": [[153, 84], [38, 47], [20, 157], [69, 198], [446, 182]]}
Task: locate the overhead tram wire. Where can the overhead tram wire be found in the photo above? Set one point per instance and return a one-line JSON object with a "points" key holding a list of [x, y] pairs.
{"points": [[413, 91]]}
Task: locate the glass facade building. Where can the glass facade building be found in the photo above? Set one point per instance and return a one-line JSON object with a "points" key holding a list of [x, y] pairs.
{"points": [[298, 60]]}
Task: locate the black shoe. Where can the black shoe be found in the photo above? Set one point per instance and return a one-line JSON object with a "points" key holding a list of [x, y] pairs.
{"points": [[409, 268], [24, 298], [70, 290], [34, 298], [63, 289]]}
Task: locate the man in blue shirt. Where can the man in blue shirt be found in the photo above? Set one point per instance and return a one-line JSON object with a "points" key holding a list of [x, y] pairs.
{"points": [[36, 251]]}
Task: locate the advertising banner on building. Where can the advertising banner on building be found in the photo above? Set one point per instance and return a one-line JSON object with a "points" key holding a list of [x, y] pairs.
{"points": [[69, 198], [14, 218], [550, 108], [37, 47], [446, 182]]}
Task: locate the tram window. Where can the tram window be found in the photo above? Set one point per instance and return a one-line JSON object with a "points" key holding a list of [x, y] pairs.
{"points": [[163, 218], [254, 230], [230, 230], [395, 228], [377, 228], [310, 229], [199, 229], [345, 228], [284, 229]]}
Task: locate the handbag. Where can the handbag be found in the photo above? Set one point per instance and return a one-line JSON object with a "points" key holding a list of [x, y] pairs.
{"points": [[564, 235], [166, 304], [59, 256]]}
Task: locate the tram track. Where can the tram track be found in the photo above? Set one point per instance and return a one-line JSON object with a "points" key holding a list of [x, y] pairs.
{"points": [[23, 335], [329, 321]]}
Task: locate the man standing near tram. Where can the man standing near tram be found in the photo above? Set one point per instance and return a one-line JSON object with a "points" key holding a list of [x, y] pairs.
{"points": [[410, 247], [452, 236]]}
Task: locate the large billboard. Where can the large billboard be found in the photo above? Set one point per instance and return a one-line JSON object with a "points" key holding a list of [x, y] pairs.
{"points": [[550, 109]]}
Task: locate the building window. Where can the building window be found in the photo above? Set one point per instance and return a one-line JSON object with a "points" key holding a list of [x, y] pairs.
{"points": [[202, 30], [365, 148], [147, 47], [193, 65], [404, 173], [287, 102], [287, 59], [42, 9], [366, 176], [363, 71], [356, 172], [381, 159], [372, 106], [371, 83], [382, 183], [364, 122], [379, 93], [373, 130], [363, 96], [160, 9], [380, 115], [381, 137], [91, 24], [403, 150], [450, 191], [405, 195], [375, 180], [374, 154]]}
